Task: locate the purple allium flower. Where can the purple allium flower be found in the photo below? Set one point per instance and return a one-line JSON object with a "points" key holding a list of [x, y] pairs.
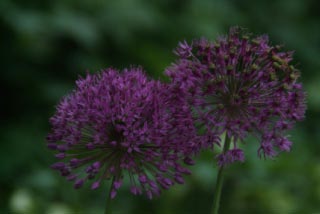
{"points": [[241, 85], [120, 123]]}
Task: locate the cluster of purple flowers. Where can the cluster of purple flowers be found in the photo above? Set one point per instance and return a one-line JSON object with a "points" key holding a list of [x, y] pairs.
{"points": [[120, 123], [241, 85]]}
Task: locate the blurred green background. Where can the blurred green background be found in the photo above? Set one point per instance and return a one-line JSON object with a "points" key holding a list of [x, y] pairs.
{"points": [[45, 45]]}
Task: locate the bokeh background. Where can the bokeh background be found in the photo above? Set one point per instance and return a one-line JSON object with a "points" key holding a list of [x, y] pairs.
{"points": [[46, 45]]}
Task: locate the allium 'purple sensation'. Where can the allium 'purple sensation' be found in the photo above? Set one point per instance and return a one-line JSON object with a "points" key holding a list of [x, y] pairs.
{"points": [[120, 123], [241, 85]]}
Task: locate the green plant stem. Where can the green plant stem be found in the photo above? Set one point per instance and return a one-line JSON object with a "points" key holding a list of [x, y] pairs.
{"points": [[108, 201], [217, 191]]}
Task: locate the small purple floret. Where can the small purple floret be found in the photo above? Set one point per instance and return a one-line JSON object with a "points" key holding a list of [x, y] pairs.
{"points": [[184, 50], [95, 185], [284, 144], [78, 183]]}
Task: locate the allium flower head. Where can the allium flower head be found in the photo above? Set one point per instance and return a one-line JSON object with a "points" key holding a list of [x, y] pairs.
{"points": [[117, 124], [241, 85]]}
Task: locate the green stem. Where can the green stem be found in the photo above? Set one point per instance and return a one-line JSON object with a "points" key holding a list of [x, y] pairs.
{"points": [[108, 202], [217, 192]]}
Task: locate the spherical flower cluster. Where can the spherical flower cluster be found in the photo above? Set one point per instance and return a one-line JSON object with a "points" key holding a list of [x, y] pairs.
{"points": [[118, 124], [241, 85]]}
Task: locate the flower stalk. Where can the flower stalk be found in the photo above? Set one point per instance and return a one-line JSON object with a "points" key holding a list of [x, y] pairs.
{"points": [[217, 191], [108, 201]]}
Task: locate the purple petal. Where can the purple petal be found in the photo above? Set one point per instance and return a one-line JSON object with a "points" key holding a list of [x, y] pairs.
{"points": [[95, 185]]}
